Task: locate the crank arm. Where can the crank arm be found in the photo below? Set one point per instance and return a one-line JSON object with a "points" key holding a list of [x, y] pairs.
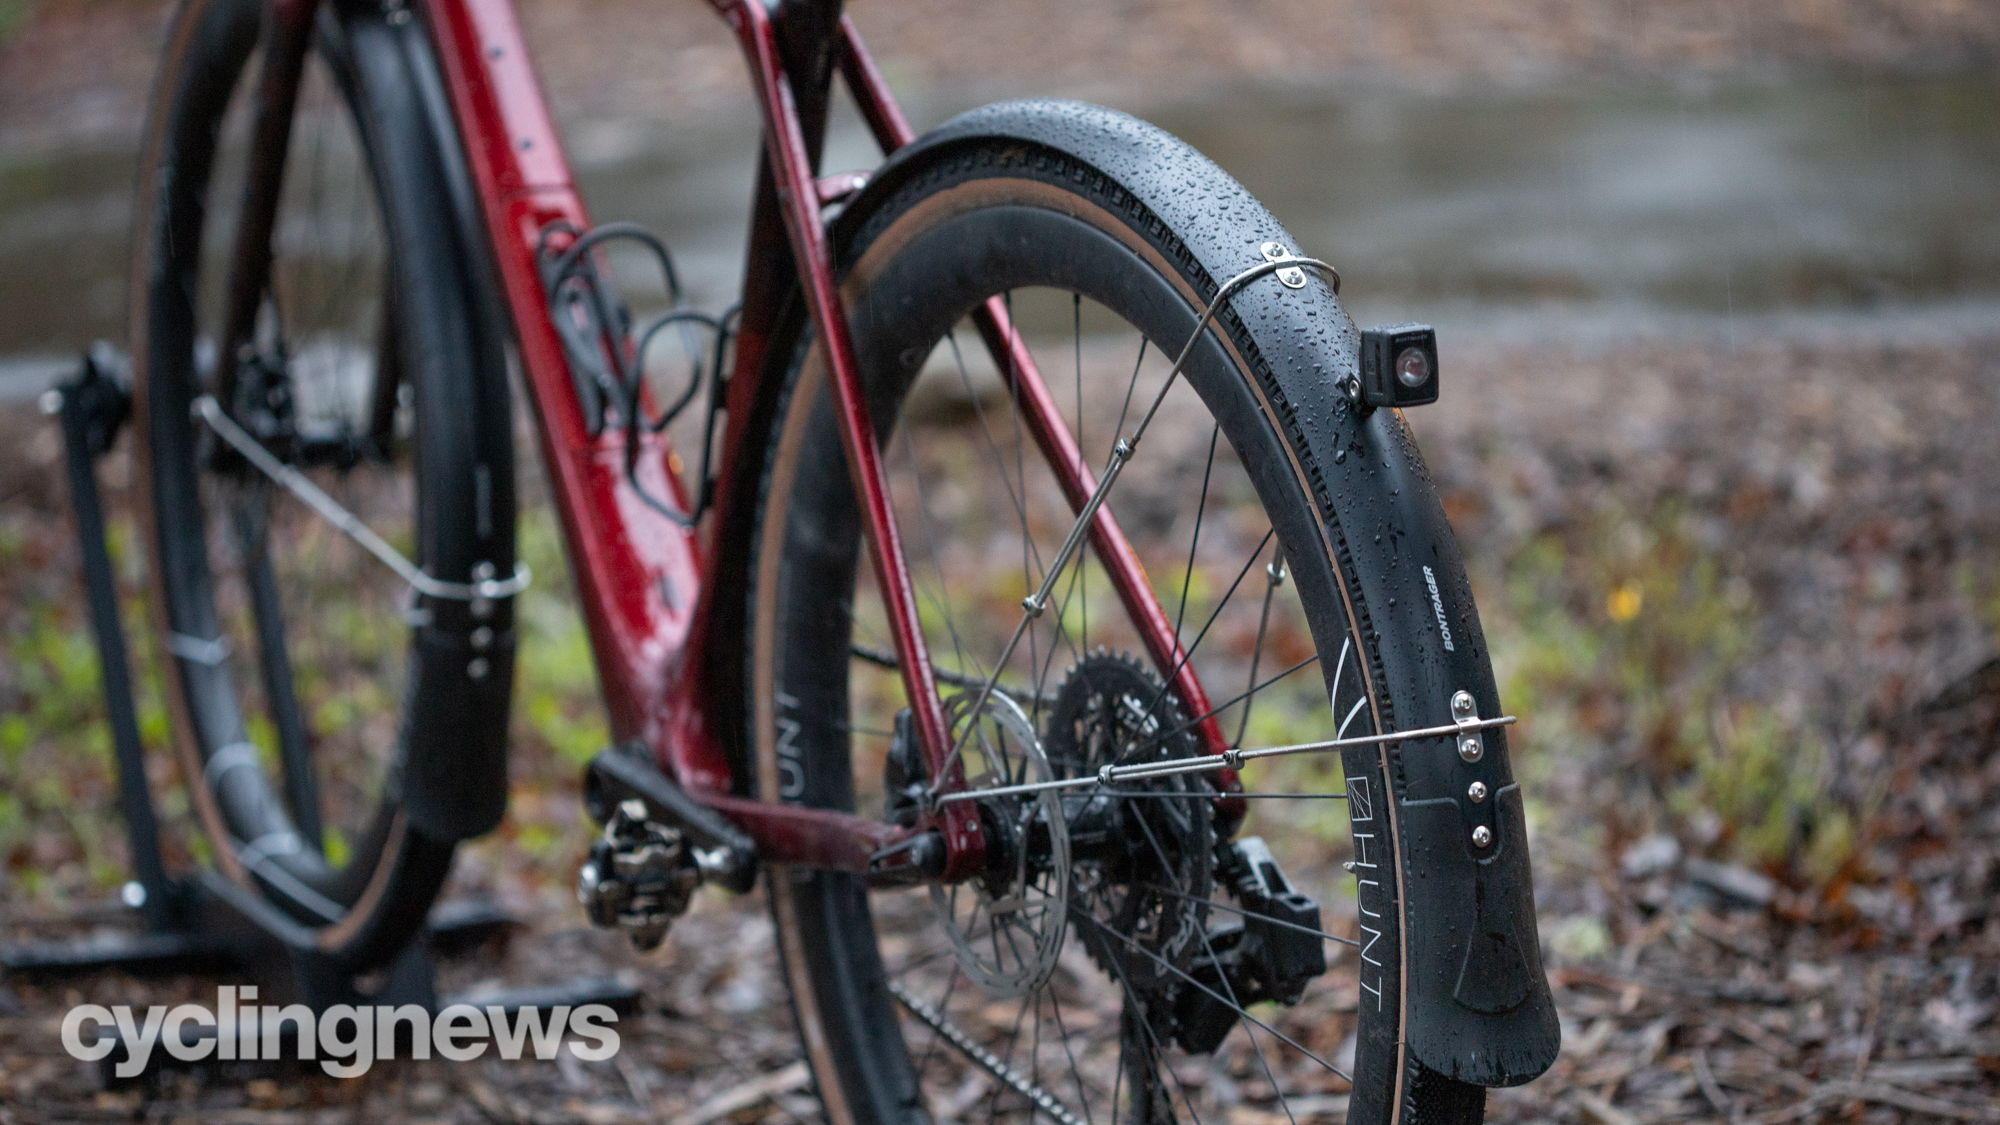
{"points": [[748, 832]]}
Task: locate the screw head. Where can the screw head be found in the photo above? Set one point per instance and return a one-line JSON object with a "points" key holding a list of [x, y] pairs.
{"points": [[1462, 705], [1477, 791], [133, 894], [478, 668], [1470, 748], [1482, 836]]}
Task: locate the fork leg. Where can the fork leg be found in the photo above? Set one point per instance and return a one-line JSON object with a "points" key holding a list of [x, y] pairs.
{"points": [[285, 39]]}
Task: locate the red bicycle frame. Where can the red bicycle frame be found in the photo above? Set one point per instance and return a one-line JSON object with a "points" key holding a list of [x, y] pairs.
{"points": [[640, 577]]}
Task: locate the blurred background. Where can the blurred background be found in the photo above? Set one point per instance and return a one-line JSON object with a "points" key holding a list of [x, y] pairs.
{"points": [[1717, 286]]}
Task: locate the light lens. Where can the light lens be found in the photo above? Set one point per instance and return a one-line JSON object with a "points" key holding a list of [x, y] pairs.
{"points": [[1413, 367]]}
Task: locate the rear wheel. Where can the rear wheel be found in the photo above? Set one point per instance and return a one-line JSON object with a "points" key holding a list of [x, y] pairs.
{"points": [[945, 1004], [308, 683]]}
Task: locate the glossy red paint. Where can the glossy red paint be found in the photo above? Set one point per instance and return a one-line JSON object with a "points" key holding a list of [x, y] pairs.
{"points": [[818, 838], [639, 577], [798, 199], [636, 574], [892, 131], [1114, 551]]}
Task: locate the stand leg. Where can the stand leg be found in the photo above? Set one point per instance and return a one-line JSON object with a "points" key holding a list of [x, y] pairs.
{"points": [[93, 407]]}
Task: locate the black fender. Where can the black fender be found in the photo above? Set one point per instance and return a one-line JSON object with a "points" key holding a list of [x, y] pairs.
{"points": [[1478, 1006], [451, 776]]}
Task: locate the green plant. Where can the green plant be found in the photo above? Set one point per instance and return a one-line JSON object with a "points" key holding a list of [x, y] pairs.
{"points": [[1621, 642]]}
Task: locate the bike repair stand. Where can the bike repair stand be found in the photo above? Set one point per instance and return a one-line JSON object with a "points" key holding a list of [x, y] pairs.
{"points": [[208, 923]]}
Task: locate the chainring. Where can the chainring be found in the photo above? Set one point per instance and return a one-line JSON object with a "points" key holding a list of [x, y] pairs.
{"points": [[1142, 853]]}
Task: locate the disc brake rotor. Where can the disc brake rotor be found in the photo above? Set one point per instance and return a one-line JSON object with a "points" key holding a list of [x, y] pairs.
{"points": [[1006, 925]]}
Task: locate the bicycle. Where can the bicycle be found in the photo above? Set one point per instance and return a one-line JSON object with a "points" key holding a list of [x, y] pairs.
{"points": [[946, 770]]}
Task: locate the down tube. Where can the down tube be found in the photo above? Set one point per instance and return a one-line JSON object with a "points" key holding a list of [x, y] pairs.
{"points": [[637, 575]]}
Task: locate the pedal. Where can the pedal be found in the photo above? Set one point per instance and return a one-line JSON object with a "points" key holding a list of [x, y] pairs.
{"points": [[659, 846], [639, 878], [725, 855], [1271, 954]]}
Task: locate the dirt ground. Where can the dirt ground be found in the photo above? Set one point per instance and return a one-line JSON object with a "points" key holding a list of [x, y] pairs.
{"points": [[1742, 576], [1691, 987]]}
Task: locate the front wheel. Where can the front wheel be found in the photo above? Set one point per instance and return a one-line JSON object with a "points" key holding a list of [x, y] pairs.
{"points": [[312, 695], [1104, 980]]}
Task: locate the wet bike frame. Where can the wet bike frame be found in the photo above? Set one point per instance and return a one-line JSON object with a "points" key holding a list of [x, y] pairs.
{"points": [[640, 577]]}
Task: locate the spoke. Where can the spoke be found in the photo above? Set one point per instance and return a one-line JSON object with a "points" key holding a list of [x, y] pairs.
{"points": [[884, 658], [1118, 430], [1121, 454], [1253, 914], [943, 598], [1137, 1009], [1230, 759], [1160, 854], [1214, 711], [1075, 1074], [928, 958], [1194, 541], [1007, 1060], [1076, 312], [944, 1006], [986, 431], [1275, 572], [1187, 654], [1061, 637], [982, 1057], [1020, 446]]}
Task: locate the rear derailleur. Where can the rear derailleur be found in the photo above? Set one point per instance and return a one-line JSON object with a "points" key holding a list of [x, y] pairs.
{"points": [[1269, 953]]}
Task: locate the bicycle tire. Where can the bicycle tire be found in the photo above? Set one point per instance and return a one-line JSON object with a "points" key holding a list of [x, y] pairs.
{"points": [[973, 215], [441, 344]]}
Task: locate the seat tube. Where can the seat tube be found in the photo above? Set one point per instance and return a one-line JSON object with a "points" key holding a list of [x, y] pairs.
{"points": [[791, 166]]}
